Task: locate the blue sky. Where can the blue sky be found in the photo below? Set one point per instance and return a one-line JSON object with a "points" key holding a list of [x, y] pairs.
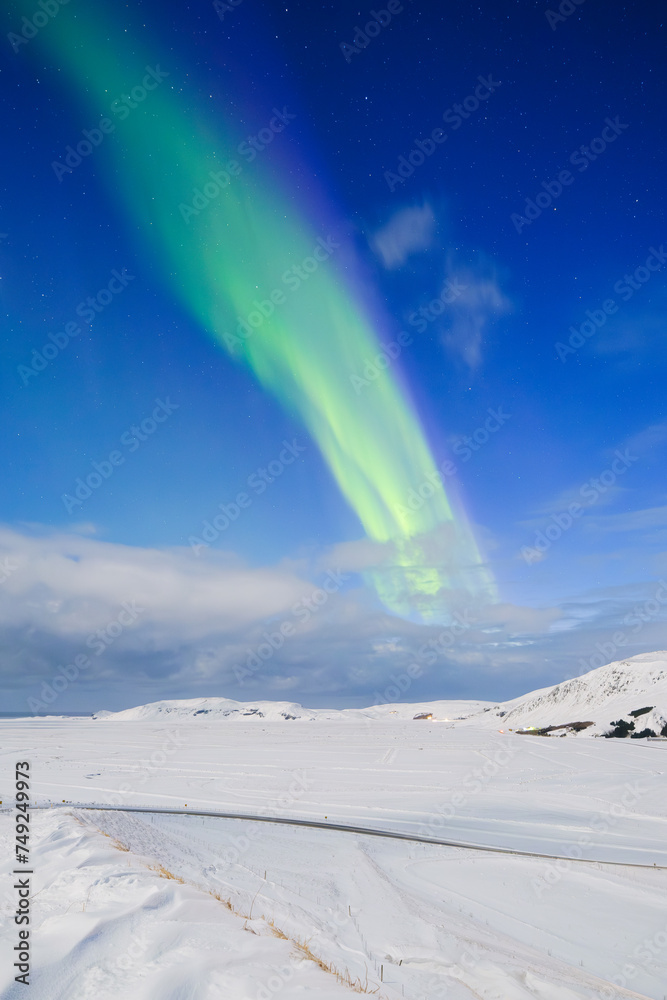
{"points": [[567, 416]]}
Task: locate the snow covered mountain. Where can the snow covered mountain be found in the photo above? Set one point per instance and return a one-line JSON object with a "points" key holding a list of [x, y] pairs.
{"points": [[277, 711], [601, 696]]}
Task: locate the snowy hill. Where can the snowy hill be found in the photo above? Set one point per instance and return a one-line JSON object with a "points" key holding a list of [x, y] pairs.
{"points": [[209, 708], [279, 711], [602, 695]]}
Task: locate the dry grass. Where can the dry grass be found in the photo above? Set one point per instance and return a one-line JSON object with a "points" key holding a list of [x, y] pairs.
{"points": [[343, 977], [276, 931], [220, 899], [165, 873], [114, 843], [302, 947]]}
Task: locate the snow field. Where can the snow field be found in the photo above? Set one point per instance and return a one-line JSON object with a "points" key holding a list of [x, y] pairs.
{"points": [[405, 919], [105, 925]]}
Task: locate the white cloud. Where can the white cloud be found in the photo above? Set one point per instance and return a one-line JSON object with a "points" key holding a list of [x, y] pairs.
{"points": [[203, 617], [357, 556], [633, 336], [632, 520], [573, 494], [605, 494], [72, 585], [479, 303], [650, 437], [408, 231], [520, 620]]}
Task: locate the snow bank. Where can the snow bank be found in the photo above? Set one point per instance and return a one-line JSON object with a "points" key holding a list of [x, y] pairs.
{"points": [[109, 924]]}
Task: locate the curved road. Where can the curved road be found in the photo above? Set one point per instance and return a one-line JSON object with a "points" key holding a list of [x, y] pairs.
{"points": [[341, 828]]}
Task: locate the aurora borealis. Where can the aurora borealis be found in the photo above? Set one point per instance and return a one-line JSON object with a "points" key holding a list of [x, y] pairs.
{"points": [[300, 238], [259, 272]]}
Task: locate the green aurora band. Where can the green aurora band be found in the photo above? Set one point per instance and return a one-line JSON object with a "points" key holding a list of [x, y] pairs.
{"points": [[232, 253]]}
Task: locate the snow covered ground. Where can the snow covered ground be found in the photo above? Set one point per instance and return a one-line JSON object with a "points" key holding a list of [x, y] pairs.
{"points": [[406, 919], [112, 924]]}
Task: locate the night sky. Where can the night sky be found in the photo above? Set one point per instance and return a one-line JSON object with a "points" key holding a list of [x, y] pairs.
{"points": [[434, 460]]}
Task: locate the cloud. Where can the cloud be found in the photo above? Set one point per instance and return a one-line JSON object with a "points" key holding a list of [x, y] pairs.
{"points": [[480, 301], [633, 336], [72, 585], [573, 494], [469, 300], [606, 493], [651, 437], [203, 619], [357, 556], [408, 231], [518, 620], [632, 520]]}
